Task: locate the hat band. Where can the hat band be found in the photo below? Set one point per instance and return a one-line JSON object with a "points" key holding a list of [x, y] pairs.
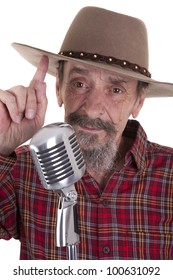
{"points": [[108, 60]]}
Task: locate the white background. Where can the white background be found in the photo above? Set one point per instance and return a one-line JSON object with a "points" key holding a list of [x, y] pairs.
{"points": [[43, 23]]}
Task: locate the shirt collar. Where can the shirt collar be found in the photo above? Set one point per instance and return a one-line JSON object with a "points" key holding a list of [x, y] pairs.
{"points": [[138, 151]]}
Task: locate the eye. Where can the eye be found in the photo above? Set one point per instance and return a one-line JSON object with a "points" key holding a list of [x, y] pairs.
{"points": [[117, 90], [78, 87]]}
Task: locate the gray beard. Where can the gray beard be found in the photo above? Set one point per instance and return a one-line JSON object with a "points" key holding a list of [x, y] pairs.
{"points": [[98, 158]]}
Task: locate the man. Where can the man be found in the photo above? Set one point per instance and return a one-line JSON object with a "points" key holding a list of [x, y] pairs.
{"points": [[125, 198]]}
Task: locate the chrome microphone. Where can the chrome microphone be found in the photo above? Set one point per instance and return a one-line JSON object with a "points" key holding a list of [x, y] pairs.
{"points": [[57, 156], [59, 163]]}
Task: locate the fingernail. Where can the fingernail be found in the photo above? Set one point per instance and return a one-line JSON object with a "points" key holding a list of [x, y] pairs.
{"points": [[17, 119], [30, 114]]}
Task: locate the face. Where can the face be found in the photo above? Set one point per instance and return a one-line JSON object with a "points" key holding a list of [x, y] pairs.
{"points": [[98, 104]]}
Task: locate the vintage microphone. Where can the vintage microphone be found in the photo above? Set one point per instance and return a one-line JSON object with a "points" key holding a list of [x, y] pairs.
{"points": [[60, 164]]}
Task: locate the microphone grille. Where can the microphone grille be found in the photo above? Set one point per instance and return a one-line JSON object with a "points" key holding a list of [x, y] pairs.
{"points": [[57, 156]]}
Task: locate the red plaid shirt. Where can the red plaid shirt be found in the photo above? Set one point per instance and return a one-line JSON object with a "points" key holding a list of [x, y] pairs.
{"points": [[131, 219]]}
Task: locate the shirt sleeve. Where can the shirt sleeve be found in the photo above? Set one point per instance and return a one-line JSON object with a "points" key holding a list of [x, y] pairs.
{"points": [[8, 205]]}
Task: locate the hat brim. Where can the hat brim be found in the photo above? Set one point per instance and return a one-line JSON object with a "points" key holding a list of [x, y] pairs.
{"points": [[33, 56]]}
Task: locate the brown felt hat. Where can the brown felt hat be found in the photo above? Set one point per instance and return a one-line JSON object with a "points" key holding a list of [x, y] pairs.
{"points": [[107, 40]]}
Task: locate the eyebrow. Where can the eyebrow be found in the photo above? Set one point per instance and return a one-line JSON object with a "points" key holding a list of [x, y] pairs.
{"points": [[78, 70], [118, 80]]}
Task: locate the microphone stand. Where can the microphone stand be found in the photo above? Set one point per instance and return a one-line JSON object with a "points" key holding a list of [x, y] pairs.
{"points": [[67, 223]]}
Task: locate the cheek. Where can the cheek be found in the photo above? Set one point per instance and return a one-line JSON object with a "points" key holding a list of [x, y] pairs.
{"points": [[118, 110], [72, 102], [119, 113]]}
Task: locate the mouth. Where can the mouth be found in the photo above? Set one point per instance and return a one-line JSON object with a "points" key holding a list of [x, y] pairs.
{"points": [[89, 128]]}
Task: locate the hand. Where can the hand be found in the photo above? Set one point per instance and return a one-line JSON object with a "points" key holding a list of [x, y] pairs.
{"points": [[22, 110]]}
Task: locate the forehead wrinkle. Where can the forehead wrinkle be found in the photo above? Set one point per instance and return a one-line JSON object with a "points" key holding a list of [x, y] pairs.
{"points": [[104, 75]]}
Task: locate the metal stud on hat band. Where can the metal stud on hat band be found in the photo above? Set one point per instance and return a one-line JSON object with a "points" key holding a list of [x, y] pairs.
{"points": [[107, 59]]}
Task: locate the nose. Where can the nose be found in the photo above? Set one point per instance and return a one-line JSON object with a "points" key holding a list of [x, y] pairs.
{"points": [[94, 105]]}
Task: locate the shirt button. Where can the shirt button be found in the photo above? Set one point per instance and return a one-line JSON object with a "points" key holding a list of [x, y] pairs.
{"points": [[105, 202], [106, 250]]}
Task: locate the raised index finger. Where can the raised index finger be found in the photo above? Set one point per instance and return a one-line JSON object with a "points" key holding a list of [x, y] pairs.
{"points": [[40, 72]]}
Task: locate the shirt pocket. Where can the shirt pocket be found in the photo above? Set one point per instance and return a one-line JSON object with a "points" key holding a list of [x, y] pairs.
{"points": [[149, 245]]}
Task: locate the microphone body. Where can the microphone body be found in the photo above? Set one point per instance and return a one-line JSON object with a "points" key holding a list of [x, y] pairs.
{"points": [[59, 163]]}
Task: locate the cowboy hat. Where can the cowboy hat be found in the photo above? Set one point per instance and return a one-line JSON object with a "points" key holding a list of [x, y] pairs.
{"points": [[107, 40]]}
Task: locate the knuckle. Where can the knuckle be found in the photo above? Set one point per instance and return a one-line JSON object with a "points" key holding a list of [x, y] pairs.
{"points": [[16, 94], [30, 91], [9, 98], [12, 99], [31, 95], [18, 90]]}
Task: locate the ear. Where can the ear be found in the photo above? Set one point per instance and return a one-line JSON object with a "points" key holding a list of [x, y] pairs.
{"points": [[139, 103], [58, 91]]}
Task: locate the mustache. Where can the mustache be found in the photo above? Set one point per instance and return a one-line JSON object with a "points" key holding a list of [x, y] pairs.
{"points": [[84, 120]]}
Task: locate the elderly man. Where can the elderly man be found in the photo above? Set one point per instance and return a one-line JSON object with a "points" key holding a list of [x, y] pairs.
{"points": [[125, 198]]}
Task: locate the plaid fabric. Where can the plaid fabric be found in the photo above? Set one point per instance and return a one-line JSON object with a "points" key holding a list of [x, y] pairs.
{"points": [[131, 219]]}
